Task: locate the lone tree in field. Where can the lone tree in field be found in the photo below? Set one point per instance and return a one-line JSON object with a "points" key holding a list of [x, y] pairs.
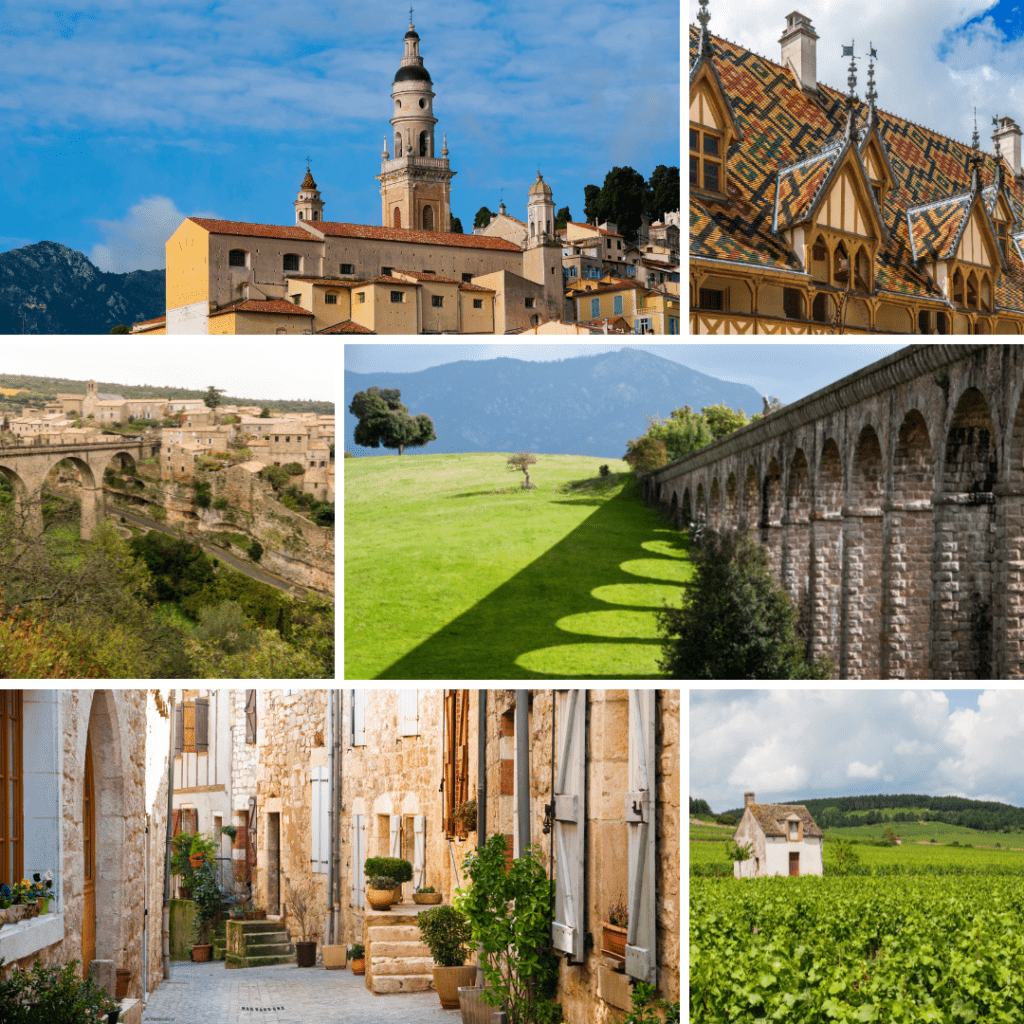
{"points": [[520, 462], [736, 622], [212, 396], [645, 454], [385, 422]]}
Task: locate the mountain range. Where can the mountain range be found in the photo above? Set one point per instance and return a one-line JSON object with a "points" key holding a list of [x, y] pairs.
{"points": [[48, 288], [585, 405]]}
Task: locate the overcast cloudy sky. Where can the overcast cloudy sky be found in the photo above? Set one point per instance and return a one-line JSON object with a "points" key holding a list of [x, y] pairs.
{"points": [[787, 745], [937, 59], [788, 371], [246, 369], [121, 118]]}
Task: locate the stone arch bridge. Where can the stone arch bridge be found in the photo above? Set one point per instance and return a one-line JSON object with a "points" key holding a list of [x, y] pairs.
{"points": [[892, 507], [27, 467]]}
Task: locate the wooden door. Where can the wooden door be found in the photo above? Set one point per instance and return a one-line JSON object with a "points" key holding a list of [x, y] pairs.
{"points": [[273, 863], [89, 859], [794, 865]]}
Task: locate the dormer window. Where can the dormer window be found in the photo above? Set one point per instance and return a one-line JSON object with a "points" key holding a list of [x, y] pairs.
{"points": [[706, 160], [1002, 234], [794, 831]]}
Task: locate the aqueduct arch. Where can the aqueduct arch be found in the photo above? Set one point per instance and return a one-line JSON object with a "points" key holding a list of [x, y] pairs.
{"points": [[892, 507]]}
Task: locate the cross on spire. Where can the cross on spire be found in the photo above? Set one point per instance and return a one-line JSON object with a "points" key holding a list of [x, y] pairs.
{"points": [[703, 17], [410, 14]]}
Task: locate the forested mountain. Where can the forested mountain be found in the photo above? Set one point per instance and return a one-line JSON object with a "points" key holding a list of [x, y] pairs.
{"points": [[846, 811], [586, 405], [48, 288]]}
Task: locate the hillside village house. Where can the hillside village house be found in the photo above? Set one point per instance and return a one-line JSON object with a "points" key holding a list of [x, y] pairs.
{"points": [[344, 775], [783, 839], [72, 802], [812, 212]]}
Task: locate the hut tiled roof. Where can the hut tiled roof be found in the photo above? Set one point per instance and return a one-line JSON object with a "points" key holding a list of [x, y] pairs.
{"points": [[770, 817]]}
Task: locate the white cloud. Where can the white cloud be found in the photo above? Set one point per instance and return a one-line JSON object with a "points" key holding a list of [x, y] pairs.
{"points": [[136, 242], [793, 744], [930, 68]]}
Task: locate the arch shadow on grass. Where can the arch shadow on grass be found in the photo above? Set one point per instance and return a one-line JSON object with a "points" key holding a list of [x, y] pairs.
{"points": [[582, 610]]}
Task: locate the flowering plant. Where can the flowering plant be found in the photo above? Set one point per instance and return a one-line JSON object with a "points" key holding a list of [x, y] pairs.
{"points": [[41, 887], [6, 897]]}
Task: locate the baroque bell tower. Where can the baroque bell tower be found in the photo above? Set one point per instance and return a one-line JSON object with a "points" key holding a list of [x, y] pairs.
{"points": [[415, 183]]}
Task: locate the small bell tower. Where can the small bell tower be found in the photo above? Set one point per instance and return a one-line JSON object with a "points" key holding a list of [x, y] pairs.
{"points": [[309, 205]]}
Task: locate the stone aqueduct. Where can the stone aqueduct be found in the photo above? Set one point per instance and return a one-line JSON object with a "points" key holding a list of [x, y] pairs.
{"points": [[892, 507], [27, 467]]}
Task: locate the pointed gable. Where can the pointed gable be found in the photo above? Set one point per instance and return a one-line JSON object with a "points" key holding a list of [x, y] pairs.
{"points": [[977, 242], [935, 227], [798, 186], [709, 102]]}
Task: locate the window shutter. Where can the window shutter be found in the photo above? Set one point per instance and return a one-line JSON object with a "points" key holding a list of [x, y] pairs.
{"points": [[202, 725], [409, 705], [188, 726], [175, 822], [321, 839], [419, 872], [567, 930], [250, 716], [396, 835], [179, 729], [358, 857], [357, 732], [448, 782], [641, 938]]}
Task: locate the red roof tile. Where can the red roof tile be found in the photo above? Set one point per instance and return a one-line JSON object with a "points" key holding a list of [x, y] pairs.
{"points": [[336, 230], [347, 327], [466, 286], [238, 227], [419, 275], [141, 323], [263, 306]]}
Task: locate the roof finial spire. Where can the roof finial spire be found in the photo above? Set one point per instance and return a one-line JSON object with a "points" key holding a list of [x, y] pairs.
{"points": [[976, 158], [851, 96], [995, 124], [703, 17], [444, 144], [974, 137], [410, 16], [871, 94]]}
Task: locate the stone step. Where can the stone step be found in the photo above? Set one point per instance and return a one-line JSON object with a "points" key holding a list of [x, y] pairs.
{"points": [[406, 965], [396, 950], [270, 949], [389, 984], [267, 939], [232, 961], [395, 933]]}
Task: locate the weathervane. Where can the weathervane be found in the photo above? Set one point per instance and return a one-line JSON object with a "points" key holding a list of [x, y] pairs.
{"points": [[852, 82]]}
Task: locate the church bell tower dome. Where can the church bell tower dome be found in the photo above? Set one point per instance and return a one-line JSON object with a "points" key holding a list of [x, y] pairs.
{"points": [[415, 180], [308, 205]]}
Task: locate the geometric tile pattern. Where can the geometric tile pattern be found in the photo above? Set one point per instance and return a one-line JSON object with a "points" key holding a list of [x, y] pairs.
{"points": [[783, 127]]}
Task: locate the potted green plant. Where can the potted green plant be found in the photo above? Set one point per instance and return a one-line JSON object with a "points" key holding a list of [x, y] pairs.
{"points": [[357, 958], [397, 868], [614, 931], [56, 995], [300, 905], [231, 831], [206, 896], [445, 931], [509, 913], [426, 894], [645, 1007], [465, 817], [381, 892]]}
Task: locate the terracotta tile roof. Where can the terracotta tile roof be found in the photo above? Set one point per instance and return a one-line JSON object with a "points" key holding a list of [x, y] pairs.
{"points": [[596, 229], [347, 327], [238, 227], [615, 323], [386, 279], [336, 230], [614, 286], [421, 276], [340, 282], [138, 323], [769, 817], [466, 286], [263, 306], [782, 127]]}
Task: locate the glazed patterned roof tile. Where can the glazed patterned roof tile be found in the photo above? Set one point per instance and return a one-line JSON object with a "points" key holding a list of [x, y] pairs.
{"points": [[935, 228], [782, 126], [799, 184]]}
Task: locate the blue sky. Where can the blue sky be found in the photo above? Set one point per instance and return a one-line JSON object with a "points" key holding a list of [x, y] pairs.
{"points": [[124, 116], [937, 59], [792, 744], [788, 371]]}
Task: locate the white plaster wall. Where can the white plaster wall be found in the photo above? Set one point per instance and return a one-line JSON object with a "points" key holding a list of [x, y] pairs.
{"points": [[191, 319], [42, 767], [778, 851]]}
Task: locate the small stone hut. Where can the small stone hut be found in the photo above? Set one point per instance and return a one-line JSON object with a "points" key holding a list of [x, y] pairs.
{"points": [[783, 839]]}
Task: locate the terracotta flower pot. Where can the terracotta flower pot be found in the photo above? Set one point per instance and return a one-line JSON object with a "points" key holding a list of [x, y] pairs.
{"points": [[426, 897], [359, 966], [614, 940], [260, 915], [201, 953], [448, 981], [196, 860], [380, 899], [124, 977], [305, 954], [184, 892]]}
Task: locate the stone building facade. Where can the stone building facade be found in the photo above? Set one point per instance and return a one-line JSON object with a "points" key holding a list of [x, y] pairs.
{"points": [[892, 507], [76, 769]]}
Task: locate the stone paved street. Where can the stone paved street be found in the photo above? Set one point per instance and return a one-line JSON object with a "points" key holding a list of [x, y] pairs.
{"points": [[283, 994]]}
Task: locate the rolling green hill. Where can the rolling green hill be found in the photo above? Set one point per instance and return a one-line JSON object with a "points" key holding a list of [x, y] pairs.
{"points": [[453, 571]]}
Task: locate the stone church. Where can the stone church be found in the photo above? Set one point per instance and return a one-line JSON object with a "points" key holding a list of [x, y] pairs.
{"points": [[812, 212], [411, 275]]}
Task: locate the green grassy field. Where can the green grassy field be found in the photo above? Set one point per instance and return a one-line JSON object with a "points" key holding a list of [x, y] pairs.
{"points": [[452, 571], [914, 831]]}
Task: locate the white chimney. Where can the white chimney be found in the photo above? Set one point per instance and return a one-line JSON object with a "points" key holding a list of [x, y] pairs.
{"points": [[1008, 137], [799, 53], [748, 799]]}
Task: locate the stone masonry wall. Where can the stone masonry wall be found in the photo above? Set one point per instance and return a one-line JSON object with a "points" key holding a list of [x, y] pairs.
{"points": [[156, 857]]}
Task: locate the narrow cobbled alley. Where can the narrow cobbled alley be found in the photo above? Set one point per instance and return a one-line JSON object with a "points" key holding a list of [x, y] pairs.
{"points": [[283, 994]]}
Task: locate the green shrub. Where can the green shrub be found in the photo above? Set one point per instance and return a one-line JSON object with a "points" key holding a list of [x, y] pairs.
{"points": [[55, 995], [227, 626], [265, 605], [203, 498], [445, 931], [255, 550], [396, 867], [276, 476], [604, 470], [220, 504], [294, 468]]}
